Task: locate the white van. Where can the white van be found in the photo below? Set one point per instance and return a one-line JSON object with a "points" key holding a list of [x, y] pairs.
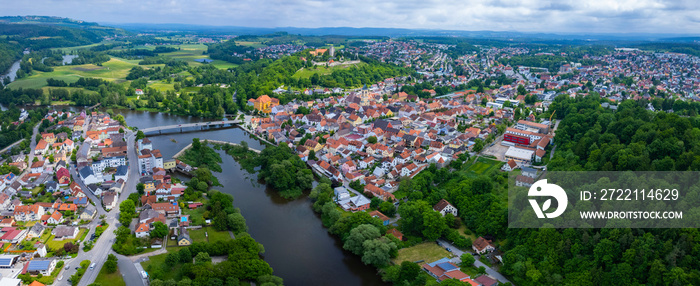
{"points": [[144, 275], [92, 266]]}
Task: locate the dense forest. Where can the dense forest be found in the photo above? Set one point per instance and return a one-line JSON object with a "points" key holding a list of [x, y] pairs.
{"points": [[9, 53], [43, 36], [592, 138], [225, 51]]}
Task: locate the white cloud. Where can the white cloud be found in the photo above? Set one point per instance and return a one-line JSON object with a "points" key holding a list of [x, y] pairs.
{"points": [[590, 16]]}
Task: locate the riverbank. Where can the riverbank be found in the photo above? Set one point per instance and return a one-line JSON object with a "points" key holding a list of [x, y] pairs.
{"points": [[216, 142], [277, 221]]}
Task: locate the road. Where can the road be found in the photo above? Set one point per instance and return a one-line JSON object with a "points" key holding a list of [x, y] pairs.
{"points": [[10, 146], [128, 269], [103, 245], [32, 145], [490, 271]]}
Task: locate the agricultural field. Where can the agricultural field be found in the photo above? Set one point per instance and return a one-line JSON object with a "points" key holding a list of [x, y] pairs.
{"points": [[191, 52], [321, 70], [70, 49], [115, 69], [161, 86]]}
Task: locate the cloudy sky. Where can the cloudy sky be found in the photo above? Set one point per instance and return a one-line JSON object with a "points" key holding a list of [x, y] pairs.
{"points": [[589, 16]]}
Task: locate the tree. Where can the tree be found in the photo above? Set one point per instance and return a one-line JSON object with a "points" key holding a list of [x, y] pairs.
{"points": [[141, 188], [122, 234], [372, 139], [467, 260], [409, 271], [127, 211], [375, 202], [196, 144], [159, 230], [358, 235], [171, 259], [111, 264], [236, 223], [521, 90], [185, 255], [387, 208], [271, 280], [434, 225], [377, 252], [140, 135], [202, 258]]}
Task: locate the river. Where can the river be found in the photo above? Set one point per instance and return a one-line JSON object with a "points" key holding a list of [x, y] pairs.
{"points": [[12, 72], [297, 246]]}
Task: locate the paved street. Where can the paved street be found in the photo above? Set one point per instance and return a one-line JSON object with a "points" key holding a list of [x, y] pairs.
{"points": [[103, 245], [490, 271]]}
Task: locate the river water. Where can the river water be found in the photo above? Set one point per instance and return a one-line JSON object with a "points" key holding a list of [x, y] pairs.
{"points": [[12, 72], [297, 246]]}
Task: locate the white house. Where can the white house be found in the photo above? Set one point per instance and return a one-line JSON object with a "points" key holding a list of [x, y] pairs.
{"points": [[445, 207]]}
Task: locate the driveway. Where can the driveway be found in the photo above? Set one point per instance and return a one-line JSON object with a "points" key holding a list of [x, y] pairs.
{"points": [[490, 271]]}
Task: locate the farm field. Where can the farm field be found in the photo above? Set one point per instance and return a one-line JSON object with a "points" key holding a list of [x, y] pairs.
{"points": [[115, 69]]}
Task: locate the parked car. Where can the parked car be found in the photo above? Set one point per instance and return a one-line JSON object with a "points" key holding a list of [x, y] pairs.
{"points": [[67, 267]]}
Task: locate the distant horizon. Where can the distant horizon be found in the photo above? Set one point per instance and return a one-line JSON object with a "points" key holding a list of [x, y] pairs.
{"points": [[113, 24], [524, 16]]}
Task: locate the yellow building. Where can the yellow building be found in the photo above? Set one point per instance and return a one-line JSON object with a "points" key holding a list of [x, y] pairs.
{"points": [[170, 164], [264, 103]]}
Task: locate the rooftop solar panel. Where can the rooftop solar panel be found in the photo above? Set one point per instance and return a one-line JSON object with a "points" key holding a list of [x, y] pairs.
{"points": [[446, 266], [38, 265]]}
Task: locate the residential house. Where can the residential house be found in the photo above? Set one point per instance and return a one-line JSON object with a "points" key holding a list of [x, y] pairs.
{"points": [[168, 209], [444, 269], [56, 218], [8, 222], [88, 213], [481, 245], [444, 207], [36, 231], [183, 239], [509, 166], [109, 200], [88, 176], [355, 204], [380, 216], [485, 280], [143, 230], [41, 266], [28, 212], [62, 232]]}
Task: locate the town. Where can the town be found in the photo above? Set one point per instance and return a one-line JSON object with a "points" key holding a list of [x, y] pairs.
{"points": [[375, 159]]}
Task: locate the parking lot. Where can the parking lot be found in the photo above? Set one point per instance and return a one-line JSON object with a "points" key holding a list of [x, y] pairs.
{"points": [[496, 149]]}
